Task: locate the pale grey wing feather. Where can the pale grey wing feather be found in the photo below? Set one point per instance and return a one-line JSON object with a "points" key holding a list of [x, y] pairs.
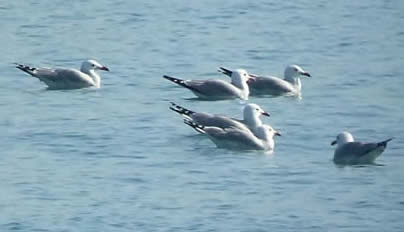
{"points": [[358, 148], [214, 88], [74, 76], [217, 121], [202, 118], [46, 74], [233, 138], [62, 76], [350, 152], [226, 122], [270, 85]]}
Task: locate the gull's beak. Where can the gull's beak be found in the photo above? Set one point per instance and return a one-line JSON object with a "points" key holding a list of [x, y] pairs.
{"points": [[333, 142], [225, 71], [278, 133], [306, 74], [251, 79], [266, 114], [104, 68]]}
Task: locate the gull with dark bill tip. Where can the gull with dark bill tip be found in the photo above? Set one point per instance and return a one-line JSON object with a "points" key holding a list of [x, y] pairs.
{"points": [[218, 89], [251, 117], [236, 139], [270, 85], [68, 78], [349, 152]]}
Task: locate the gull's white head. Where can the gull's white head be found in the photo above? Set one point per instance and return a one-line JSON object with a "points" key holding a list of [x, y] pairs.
{"points": [[268, 131], [293, 71], [267, 134], [254, 111], [240, 76], [342, 138], [92, 65]]}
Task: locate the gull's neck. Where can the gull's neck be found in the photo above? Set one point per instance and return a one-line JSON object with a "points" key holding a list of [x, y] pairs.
{"points": [[266, 137], [270, 143], [243, 87], [94, 75], [252, 120], [295, 81]]}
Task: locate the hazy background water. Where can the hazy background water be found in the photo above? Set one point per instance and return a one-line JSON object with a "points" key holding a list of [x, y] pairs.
{"points": [[116, 159]]}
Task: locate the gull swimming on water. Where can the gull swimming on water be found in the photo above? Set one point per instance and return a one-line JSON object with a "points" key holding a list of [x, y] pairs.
{"points": [[67, 78], [349, 152], [270, 85], [251, 117], [218, 89], [234, 138]]}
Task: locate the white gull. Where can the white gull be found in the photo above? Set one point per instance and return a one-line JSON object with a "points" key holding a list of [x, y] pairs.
{"points": [[218, 89], [270, 85], [67, 78], [251, 117], [234, 138]]}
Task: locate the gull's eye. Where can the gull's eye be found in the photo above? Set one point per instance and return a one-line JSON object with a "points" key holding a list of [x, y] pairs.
{"points": [[295, 69], [92, 65]]}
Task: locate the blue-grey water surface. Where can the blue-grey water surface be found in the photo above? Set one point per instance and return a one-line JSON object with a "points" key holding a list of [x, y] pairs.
{"points": [[116, 159]]}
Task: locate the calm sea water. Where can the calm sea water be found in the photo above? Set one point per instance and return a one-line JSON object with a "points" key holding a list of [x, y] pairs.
{"points": [[116, 159]]}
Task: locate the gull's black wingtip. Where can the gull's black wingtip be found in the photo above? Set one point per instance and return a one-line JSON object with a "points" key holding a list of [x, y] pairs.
{"points": [[225, 71], [25, 68], [197, 127], [174, 79], [384, 143]]}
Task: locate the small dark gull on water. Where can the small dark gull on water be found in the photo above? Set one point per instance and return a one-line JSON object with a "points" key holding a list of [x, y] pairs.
{"points": [[349, 152]]}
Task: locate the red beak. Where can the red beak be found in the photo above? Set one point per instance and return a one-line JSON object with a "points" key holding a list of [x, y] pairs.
{"points": [[251, 79]]}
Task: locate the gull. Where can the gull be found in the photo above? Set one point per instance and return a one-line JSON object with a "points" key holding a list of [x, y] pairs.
{"points": [[218, 89], [349, 152], [66, 78], [270, 85], [251, 117], [234, 138]]}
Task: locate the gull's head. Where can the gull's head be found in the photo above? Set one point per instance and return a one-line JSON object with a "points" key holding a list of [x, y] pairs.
{"points": [[92, 65], [267, 132], [253, 110], [293, 71], [342, 138], [272, 132], [240, 76]]}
